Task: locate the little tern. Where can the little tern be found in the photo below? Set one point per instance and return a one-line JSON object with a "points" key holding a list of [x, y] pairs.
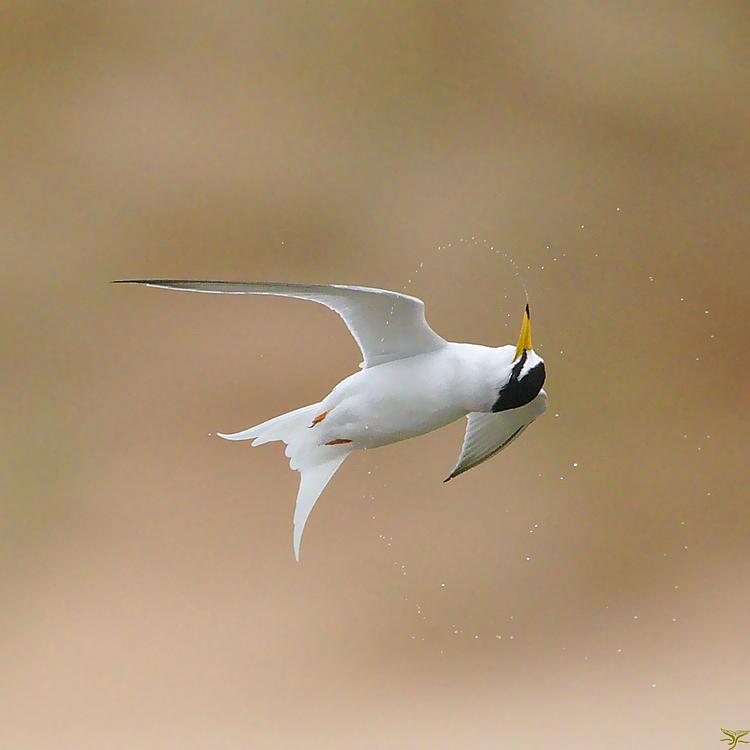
{"points": [[411, 382]]}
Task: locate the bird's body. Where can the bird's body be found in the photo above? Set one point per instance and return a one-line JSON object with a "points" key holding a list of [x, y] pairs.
{"points": [[409, 397], [412, 382]]}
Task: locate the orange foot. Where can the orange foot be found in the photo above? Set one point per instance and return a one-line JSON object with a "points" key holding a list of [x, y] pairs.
{"points": [[338, 441], [319, 418]]}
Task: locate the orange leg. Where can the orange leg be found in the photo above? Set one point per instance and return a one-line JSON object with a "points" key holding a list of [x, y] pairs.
{"points": [[319, 418], [338, 441]]}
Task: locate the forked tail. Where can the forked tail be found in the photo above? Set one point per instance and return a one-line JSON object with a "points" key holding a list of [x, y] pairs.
{"points": [[316, 463]]}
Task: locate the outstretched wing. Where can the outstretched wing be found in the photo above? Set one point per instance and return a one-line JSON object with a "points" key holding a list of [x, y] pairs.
{"points": [[386, 325], [488, 433]]}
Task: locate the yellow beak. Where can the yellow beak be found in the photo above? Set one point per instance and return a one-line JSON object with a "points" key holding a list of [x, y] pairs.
{"points": [[524, 340]]}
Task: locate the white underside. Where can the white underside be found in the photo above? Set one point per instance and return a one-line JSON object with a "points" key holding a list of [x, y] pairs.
{"points": [[413, 382], [382, 405]]}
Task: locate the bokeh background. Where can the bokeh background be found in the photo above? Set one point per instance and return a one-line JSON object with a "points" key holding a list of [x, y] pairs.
{"points": [[586, 588]]}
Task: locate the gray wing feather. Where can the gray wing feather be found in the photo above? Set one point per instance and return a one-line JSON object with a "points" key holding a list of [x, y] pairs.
{"points": [[488, 433], [386, 325]]}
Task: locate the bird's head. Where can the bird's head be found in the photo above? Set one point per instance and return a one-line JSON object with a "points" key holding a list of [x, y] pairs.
{"points": [[526, 373]]}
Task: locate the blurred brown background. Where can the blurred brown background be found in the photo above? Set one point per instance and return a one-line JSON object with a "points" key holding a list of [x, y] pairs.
{"points": [[149, 595]]}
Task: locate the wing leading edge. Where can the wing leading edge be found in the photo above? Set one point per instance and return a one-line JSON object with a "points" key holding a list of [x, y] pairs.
{"points": [[386, 325], [488, 433]]}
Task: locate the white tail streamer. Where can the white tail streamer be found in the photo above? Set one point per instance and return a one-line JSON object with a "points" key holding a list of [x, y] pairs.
{"points": [[316, 463]]}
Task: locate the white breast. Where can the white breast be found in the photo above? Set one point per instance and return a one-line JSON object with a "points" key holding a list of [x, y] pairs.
{"points": [[413, 396]]}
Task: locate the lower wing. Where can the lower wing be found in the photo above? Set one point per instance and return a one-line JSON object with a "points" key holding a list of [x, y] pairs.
{"points": [[488, 433]]}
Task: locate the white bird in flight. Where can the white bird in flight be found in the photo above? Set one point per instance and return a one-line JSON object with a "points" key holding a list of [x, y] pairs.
{"points": [[411, 382]]}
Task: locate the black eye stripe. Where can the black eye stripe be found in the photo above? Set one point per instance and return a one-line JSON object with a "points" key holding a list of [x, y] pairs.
{"points": [[518, 392], [519, 365]]}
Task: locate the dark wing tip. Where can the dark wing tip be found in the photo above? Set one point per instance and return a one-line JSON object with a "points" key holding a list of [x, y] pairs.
{"points": [[168, 283], [453, 475], [528, 314]]}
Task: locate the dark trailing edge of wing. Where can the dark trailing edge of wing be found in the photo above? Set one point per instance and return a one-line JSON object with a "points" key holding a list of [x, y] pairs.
{"points": [[502, 445]]}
